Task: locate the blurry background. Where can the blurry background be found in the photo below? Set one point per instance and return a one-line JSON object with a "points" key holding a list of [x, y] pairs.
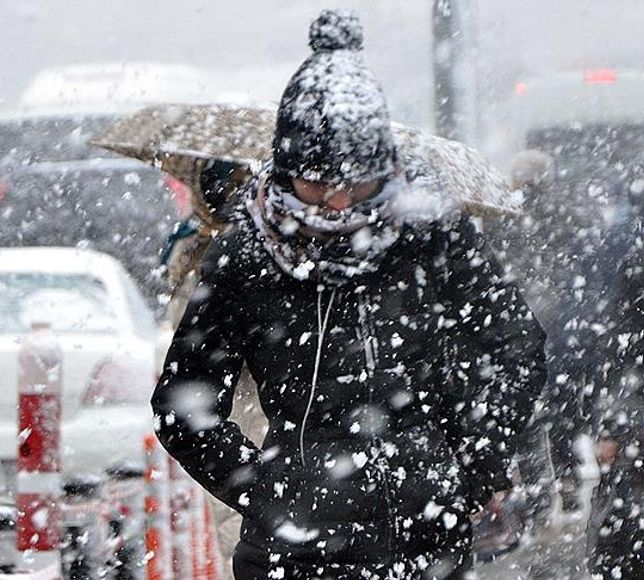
{"points": [[254, 46], [565, 77]]}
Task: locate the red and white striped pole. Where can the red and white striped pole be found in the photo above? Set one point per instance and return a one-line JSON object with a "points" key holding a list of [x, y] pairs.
{"points": [[211, 547], [38, 480], [157, 521], [196, 529], [179, 520]]}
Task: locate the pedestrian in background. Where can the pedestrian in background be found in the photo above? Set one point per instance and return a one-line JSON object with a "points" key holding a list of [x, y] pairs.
{"points": [[210, 214], [616, 530], [537, 248]]}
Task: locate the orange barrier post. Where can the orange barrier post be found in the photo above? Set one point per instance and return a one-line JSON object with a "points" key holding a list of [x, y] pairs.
{"points": [[195, 532], [38, 479], [157, 532], [179, 521]]}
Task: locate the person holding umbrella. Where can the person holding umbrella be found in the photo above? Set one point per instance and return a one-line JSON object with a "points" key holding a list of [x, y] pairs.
{"points": [[395, 365]]}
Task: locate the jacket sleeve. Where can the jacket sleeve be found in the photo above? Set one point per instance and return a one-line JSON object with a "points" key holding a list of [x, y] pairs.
{"points": [[494, 361], [620, 403], [194, 395]]}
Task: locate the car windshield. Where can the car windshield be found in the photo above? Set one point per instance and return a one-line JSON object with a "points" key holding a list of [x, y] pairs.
{"points": [[68, 302], [51, 139]]}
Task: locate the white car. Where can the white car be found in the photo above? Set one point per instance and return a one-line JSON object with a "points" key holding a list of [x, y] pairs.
{"points": [[108, 338]]}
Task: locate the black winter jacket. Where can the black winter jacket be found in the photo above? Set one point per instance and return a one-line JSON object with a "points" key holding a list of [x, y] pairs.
{"points": [[619, 372], [394, 400], [615, 530]]}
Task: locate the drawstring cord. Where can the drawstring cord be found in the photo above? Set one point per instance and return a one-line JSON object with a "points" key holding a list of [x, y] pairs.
{"points": [[322, 324]]}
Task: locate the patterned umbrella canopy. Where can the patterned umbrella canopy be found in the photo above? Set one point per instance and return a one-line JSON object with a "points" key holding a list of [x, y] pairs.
{"points": [[181, 139]]}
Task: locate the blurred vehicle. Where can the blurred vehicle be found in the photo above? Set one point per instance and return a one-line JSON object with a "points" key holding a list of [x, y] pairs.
{"points": [[592, 123], [57, 190], [108, 338]]}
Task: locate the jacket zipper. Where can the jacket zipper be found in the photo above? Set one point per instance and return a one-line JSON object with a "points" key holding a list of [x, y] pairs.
{"points": [[370, 344], [367, 339]]}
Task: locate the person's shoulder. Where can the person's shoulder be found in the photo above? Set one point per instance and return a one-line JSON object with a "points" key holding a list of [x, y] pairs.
{"points": [[439, 235], [228, 247], [237, 251]]}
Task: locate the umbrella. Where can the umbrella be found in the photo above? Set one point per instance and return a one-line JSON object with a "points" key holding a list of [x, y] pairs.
{"points": [[181, 139], [456, 173]]}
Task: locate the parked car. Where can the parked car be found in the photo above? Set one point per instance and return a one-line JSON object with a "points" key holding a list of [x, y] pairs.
{"points": [[108, 337], [57, 190]]}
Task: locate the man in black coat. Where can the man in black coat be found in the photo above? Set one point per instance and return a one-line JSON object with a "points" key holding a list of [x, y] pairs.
{"points": [[394, 363], [616, 532], [538, 251]]}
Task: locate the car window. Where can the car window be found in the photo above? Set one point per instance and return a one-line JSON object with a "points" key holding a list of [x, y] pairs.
{"points": [[143, 319], [56, 190], [69, 303]]}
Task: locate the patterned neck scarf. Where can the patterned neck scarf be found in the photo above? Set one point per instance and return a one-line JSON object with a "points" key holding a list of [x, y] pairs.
{"points": [[306, 241]]}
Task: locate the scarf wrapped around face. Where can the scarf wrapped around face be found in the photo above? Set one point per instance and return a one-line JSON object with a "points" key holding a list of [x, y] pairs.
{"points": [[307, 241]]}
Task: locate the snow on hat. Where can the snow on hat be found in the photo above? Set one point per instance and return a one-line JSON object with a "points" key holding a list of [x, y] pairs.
{"points": [[333, 124]]}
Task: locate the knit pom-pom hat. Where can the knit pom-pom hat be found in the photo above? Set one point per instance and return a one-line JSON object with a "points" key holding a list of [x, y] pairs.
{"points": [[333, 124]]}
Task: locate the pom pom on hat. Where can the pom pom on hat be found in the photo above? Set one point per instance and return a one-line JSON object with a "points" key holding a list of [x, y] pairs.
{"points": [[336, 30]]}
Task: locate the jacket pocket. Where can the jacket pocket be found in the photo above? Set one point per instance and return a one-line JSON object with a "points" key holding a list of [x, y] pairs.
{"points": [[426, 477], [337, 519], [273, 496], [313, 517]]}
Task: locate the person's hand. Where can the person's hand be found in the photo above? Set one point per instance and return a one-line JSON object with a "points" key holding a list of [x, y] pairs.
{"points": [[477, 517], [607, 452], [493, 506]]}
